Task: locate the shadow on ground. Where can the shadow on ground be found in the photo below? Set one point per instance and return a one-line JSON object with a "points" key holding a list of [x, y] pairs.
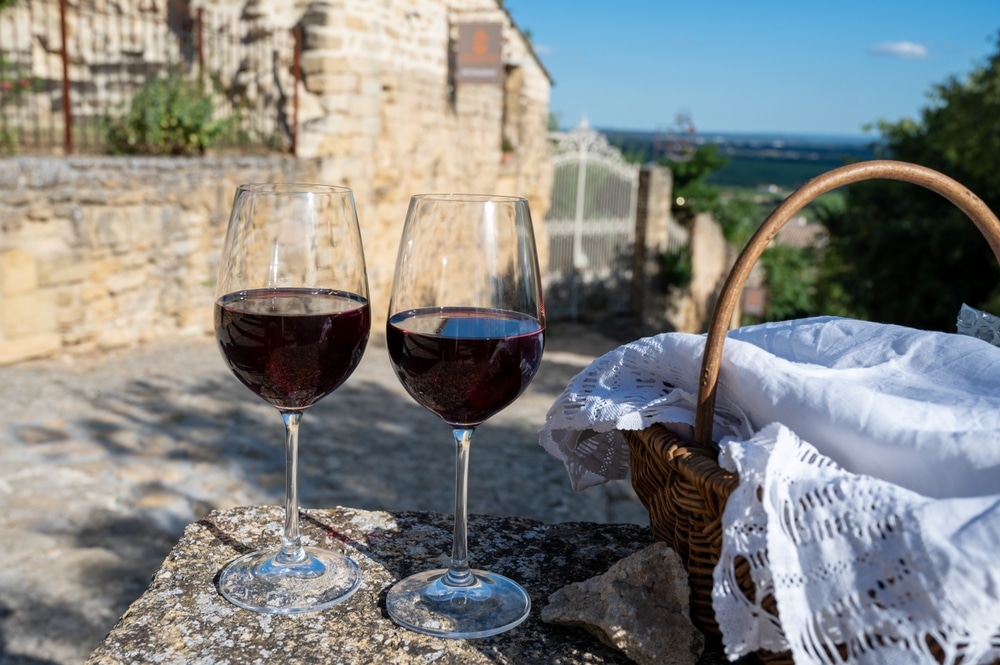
{"points": [[177, 444]]}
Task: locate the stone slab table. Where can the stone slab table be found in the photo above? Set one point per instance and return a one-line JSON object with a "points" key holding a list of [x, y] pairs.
{"points": [[181, 618]]}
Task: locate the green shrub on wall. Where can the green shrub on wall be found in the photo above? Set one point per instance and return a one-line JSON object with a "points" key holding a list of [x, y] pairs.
{"points": [[170, 115]]}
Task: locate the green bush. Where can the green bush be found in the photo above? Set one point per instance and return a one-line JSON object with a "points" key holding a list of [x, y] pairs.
{"points": [[675, 269], [791, 274], [902, 254], [170, 115], [15, 81]]}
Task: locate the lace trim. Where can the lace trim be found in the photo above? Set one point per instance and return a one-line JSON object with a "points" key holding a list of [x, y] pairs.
{"points": [[849, 547]]}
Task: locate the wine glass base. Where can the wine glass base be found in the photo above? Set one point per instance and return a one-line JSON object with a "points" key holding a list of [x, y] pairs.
{"points": [[423, 603], [259, 583]]}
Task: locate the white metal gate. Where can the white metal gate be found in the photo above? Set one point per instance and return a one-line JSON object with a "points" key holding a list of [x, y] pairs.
{"points": [[591, 226]]}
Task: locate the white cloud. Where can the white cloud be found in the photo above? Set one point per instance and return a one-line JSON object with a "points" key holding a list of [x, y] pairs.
{"points": [[542, 49], [901, 49]]}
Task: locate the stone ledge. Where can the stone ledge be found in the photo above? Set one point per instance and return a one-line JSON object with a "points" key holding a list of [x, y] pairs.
{"points": [[182, 619], [29, 348]]}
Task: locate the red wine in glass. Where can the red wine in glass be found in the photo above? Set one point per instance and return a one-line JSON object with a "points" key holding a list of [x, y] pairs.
{"points": [[464, 364], [465, 333], [292, 320], [292, 346]]}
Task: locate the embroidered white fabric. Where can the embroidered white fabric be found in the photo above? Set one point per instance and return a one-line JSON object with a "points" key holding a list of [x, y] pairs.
{"points": [[869, 495]]}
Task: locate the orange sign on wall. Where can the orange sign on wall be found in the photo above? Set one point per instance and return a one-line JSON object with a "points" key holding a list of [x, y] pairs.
{"points": [[479, 53]]}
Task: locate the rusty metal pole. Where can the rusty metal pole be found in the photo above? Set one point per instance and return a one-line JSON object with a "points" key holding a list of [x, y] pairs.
{"points": [[67, 112], [199, 36], [297, 76]]}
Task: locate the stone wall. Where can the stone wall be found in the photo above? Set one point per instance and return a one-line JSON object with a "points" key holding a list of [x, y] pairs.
{"points": [[689, 309], [378, 105], [102, 252], [380, 109]]}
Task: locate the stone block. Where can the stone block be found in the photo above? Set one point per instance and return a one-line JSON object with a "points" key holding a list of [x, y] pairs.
{"points": [[60, 269], [338, 103], [322, 13], [322, 38], [18, 272], [310, 106], [28, 315], [126, 281], [182, 618], [93, 291], [358, 23], [101, 309], [129, 197], [29, 348], [317, 62], [69, 311], [115, 337], [101, 269], [111, 227], [40, 212]]}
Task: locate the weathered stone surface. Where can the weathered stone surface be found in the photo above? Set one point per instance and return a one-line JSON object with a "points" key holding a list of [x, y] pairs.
{"points": [[182, 619], [26, 348], [100, 272], [640, 606]]}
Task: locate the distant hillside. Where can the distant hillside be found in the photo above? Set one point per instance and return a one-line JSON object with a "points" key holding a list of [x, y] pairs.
{"points": [[755, 160]]}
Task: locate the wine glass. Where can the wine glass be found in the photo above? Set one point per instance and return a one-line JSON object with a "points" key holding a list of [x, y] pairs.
{"points": [[292, 319], [465, 334]]}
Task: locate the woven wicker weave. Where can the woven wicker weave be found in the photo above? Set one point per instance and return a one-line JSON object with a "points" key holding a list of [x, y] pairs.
{"points": [[679, 482]]}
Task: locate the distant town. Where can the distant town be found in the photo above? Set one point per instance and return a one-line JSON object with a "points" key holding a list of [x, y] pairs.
{"points": [[755, 159]]}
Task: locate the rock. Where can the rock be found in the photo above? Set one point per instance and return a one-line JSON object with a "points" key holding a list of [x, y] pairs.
{"points": [[181, 618], [639, 606]]}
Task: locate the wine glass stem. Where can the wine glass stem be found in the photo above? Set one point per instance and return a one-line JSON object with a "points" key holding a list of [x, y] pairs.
{"points": [[291, 544], [459, 573]]}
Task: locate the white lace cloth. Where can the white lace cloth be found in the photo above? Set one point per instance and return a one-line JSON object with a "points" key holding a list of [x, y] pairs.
{"points": [[869, 495]]}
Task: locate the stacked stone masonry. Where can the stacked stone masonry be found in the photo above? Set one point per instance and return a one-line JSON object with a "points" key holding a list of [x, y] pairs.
{"points": [[99, 253], [102, 252]]}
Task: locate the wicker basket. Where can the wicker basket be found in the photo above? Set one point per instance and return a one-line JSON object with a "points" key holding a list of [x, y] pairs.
{"points": [[680, 483]]}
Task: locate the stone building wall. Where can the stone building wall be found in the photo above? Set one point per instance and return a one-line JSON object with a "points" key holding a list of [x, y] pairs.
{"points": [[379, 107], [102, 252], [380, 110]]}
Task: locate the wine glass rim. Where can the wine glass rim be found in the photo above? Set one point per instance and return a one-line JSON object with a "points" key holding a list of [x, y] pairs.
{"points": [[292, 188], [472, 198]]}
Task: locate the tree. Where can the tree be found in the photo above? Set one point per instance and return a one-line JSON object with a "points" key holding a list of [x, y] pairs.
{"points": [[691, 192], [901, 254]]}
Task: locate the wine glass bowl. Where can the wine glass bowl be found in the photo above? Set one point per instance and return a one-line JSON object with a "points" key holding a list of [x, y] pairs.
{"points": [[465, 334], [292, 320]]}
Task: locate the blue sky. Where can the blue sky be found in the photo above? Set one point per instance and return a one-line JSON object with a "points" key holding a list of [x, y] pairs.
{"points": [[786, 66]]}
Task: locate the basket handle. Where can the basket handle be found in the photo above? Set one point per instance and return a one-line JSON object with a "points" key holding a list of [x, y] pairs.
{"points": [[965, 200]]}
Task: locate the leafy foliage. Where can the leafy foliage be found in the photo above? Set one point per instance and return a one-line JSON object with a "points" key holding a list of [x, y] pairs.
{"points": [[692, 193], [790, 272], [791, 276], [15, 81], [171, 115], [739, 216], [675, 269], [899, 253]]}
